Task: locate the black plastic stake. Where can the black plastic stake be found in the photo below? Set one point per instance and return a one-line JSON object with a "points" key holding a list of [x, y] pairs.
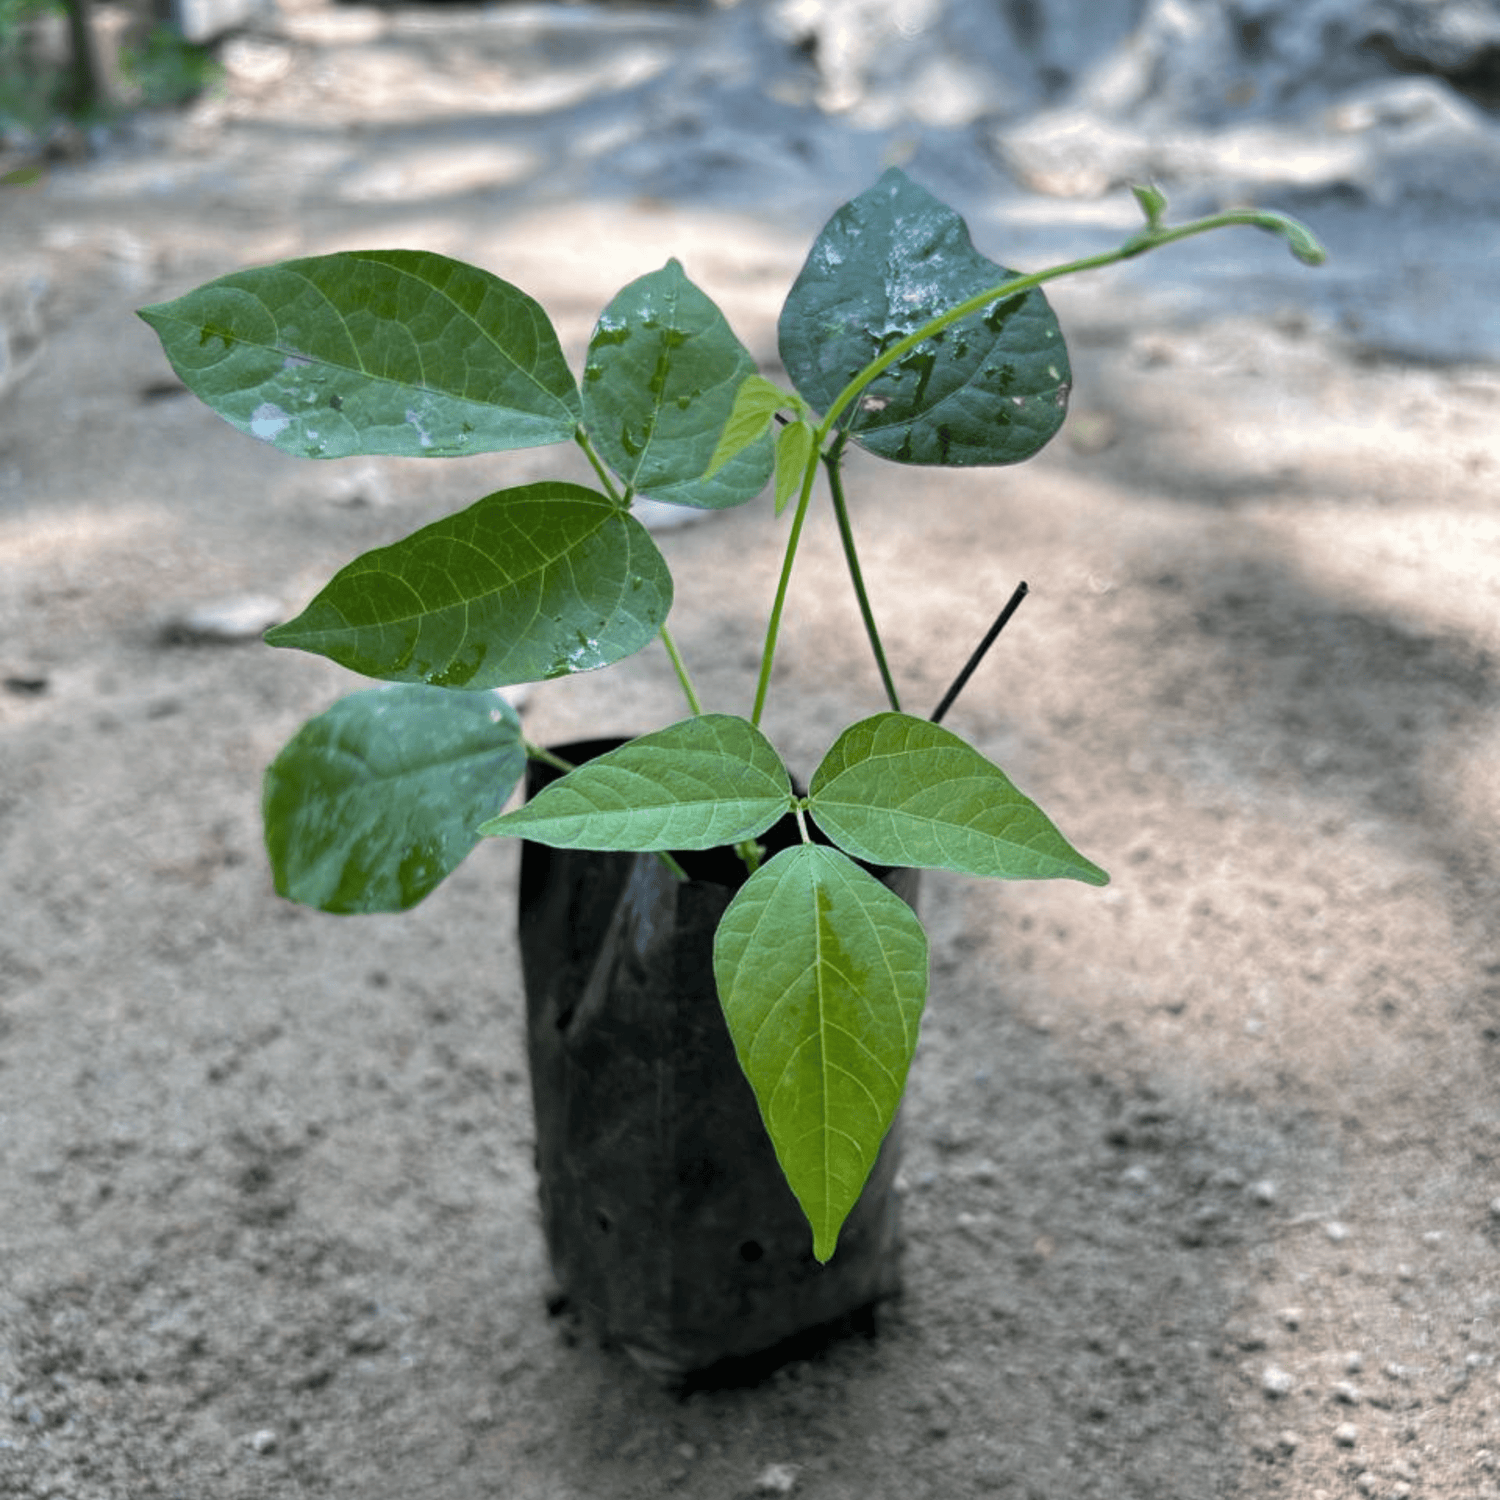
{"points": [[1011, 606]]}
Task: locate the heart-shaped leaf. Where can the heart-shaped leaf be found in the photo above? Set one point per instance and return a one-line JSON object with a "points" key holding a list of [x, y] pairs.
{"points": [[897, 790], [373, 351], [664, 371], [903, 791], [707, 781], [990, 389], [822, 973], [526, 584], [372, 803]]}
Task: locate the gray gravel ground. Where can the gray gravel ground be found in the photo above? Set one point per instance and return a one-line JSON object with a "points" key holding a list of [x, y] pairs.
{"points": [[1202, 1190]]}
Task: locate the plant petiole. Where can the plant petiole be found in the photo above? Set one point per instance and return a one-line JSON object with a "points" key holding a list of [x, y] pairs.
{"points": [[831, 461], [773, 625], [581, 437], [680, 667], [547, 758], [800, 808]]}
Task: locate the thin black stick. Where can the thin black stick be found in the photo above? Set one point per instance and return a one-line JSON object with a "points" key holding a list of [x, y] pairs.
{"points": [[1012, 605]]}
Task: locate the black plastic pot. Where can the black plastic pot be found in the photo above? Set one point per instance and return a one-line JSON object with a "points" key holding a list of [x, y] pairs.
{"points": [[668, 1221]]}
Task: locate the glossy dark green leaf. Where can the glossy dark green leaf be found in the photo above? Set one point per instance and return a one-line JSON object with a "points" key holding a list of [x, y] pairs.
{"points": [[897, 790], [525, 584], [990, 389], [822, 973], [374, 802], [663, 373], [373, 351], [710, 780]]}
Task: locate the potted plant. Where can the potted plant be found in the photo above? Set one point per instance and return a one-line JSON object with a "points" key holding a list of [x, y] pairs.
{"points": [[725, 973]]}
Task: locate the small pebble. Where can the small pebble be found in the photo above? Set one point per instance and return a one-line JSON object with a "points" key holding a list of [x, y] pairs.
{"points": [[657, 515], [1263, 1191], [1433, 1238], [1405, 1272], [1367, 1483], [1287, 1441], [1346, 1392], [356, 486], [1400, 1490], [777, 1479], [1337, 1232], [1275, 1381], [224, 621], [263, 1441], [1138, 1175], [1354, 1362], [1346, 1434], [1291, 1318], [1495, 1208]]}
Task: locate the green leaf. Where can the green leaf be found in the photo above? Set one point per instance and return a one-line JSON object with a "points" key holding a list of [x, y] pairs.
{"points": [[1152, 201], [374, 802], [897, 790], [707, 781], [822, 973], [755, 403], [990, 389], [793, 449], [373, 351], [663, 372], [526, 584]]}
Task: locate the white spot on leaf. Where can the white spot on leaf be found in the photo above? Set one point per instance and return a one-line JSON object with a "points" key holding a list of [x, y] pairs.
{"points": [[423, 436], [268, 422]]}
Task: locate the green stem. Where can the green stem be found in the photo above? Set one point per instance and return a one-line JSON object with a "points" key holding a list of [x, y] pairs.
{"points": [[680, 667], [773, 625], [547, 758], [801, 811], [1303, 245], [831, 461], [581, 437]]}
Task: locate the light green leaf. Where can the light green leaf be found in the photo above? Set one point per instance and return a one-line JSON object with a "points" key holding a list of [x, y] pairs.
{"points": [[755, 403], [822, 973], [707, 781], [373, 351], [1153, 202], [526, 584], [793, 449], [372, 803], [897, 790], [663, 372], [990, 389]]}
